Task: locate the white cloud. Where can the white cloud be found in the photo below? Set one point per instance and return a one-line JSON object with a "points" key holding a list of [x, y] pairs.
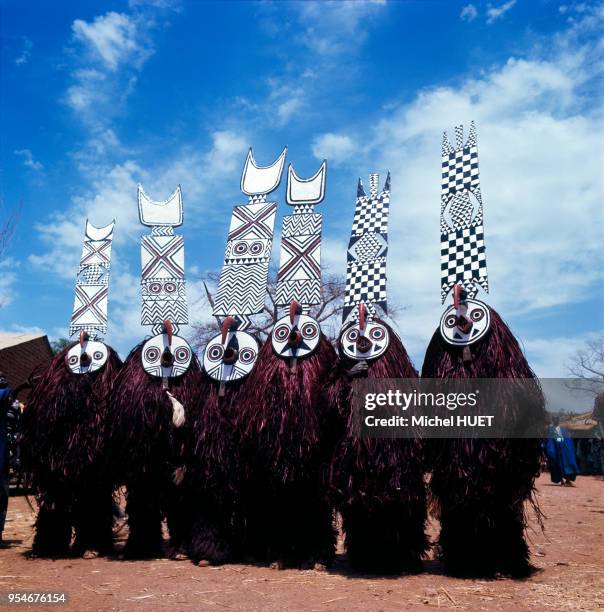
{"points": [[337, 148], [332, 27], [112, 38], [23, 57], [468, 13], [496, 12], [28, 159]]}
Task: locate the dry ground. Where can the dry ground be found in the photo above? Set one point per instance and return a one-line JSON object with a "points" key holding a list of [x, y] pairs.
{"points": [[570, 558]]}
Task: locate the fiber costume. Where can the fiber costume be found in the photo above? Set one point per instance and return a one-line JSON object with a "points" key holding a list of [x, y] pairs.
{"points": [[64, 436], [377, 484], [480, 486], [155, 387], [284, 423]]}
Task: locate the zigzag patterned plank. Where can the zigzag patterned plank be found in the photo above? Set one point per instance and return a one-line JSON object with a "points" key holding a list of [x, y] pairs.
{"points": [[304, 292], [305, 223], [241, 290], [152, 312]]}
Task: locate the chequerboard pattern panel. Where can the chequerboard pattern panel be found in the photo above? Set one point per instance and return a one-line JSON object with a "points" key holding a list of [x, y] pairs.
{"points": [[367, 251], [463, 258]]}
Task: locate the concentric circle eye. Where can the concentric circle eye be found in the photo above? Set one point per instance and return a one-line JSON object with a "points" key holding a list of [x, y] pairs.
{"points": [[377, 333], [281, 333], [97, 355], [256, 248], [477, 314], [215, 352], [451, 321], [352, 335], [182, 354], [240, 248], [155, 288], [152, 354], [73, 360], [247, 355], [170, 287], [310, 331]]}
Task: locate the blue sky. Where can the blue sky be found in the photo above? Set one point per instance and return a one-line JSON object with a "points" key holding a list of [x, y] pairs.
{"points": [[97, 97]]}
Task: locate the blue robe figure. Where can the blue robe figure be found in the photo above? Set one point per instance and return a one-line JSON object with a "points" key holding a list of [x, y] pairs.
{"points": [[560, 452]]}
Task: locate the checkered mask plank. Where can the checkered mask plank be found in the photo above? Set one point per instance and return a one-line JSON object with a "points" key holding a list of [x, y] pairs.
{"points": [[463, 258], [367, 250]]}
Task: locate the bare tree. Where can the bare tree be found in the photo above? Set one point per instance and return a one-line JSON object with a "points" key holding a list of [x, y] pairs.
{"points": [[328, 312], [8, 224], [586, 367]]}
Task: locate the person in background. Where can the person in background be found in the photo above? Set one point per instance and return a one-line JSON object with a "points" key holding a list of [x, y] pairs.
{"points": [[5, 406], [560, 452]]}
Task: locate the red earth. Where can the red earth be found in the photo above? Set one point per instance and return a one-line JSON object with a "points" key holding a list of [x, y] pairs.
{"points": [[568, 555]]}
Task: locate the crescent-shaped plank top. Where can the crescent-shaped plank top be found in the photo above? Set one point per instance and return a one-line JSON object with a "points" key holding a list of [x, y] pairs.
{"points": [[152, 213], [261, 180], [306, 191], [99, 233]]}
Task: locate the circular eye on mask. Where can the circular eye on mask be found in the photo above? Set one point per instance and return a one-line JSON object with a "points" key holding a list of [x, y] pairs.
{"points": [[215, 352], [281, 333], [477, 314], [155, 288], [451, 321], [170, 287], [377, 333], [97, 355], [310, 331], [247, 355], [256, 248], [352, 335], [152, 354], [73, 360], [182, 354], [240, 248]]}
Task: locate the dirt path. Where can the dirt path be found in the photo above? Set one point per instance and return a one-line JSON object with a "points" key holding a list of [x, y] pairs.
{"points": [[570, 556]]}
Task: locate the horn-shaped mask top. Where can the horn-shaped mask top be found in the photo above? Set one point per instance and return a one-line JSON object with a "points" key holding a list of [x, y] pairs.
{"points": [[297, 334], [89, 317], [463, 257], [164, 300], [361, 337]]}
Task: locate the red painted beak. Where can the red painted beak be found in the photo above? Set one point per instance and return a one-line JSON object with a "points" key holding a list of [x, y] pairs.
{"points": [[226, 325], [168, 329], [362, 316], [83, 338], [294, 309], [456, 295]]}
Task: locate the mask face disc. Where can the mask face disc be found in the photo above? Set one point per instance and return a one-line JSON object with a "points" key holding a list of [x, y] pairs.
{"points": [[89, 357], [165, 360], [232, 360], [371, 343], [296, 340], [468, 325]]}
